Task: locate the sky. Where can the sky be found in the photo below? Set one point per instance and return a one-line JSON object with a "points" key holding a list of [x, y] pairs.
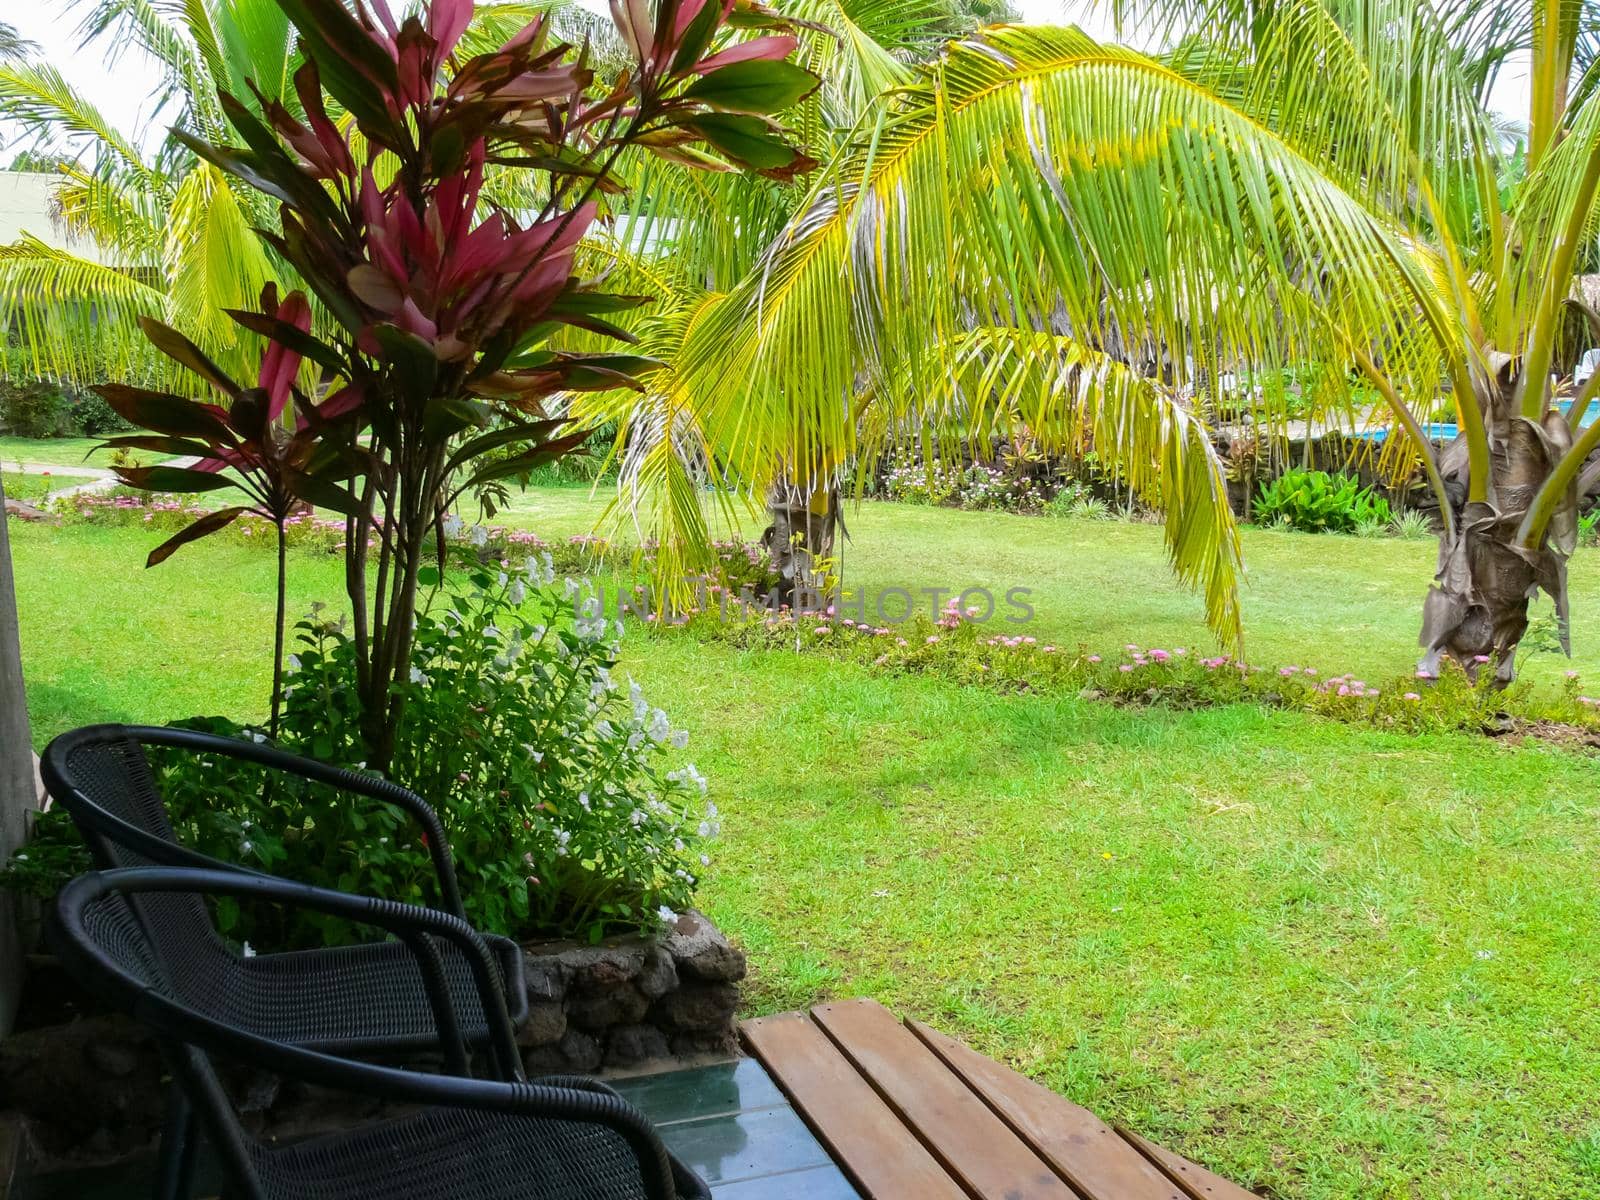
{"points": [[122, 90]]}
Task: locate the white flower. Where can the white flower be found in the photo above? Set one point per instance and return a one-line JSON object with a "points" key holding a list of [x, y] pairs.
{"points": [[294, 662], [452, 525], [518, 592], [705, 860], [418, 677], [478, 535], [680, 738], [668, 917], [246, 846], [660, 729]]}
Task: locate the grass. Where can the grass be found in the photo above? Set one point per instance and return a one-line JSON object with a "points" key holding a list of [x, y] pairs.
{"points": [[1326, 961], [34, 488], [65, 452]]}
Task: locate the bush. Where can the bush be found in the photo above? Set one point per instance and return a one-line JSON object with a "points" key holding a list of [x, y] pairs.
{"points": [[1317, 502], [552, 778], [91, 416], [34, 408]]}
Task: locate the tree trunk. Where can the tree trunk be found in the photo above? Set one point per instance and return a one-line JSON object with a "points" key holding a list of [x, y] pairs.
{"points": [[18, 796], [1477, 610], [804, 522]]}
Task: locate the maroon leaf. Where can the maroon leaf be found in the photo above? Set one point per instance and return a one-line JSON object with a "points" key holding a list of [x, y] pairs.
{"points": [[203, 527], [181, 350], [171, 479], [166, 413]]}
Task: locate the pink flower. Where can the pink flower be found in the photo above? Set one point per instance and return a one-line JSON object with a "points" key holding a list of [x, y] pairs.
{"points": [[1344, 690], [1572, 674], [1421, 674], [1049, 649], [1311, 670], [1131, 648], [1480, 658], [1285, 670], [821, 629], [1160, 656], [932, 639], [1412, 696], [1092, 657], [1125, 668]]}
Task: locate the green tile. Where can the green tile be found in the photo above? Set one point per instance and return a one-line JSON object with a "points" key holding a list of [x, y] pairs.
{"points": [[701, 1092], [745, 1145], [818, 1183]]}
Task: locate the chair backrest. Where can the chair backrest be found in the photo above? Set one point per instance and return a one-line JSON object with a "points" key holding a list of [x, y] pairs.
{"points": [[101, 776], [104, 943]]}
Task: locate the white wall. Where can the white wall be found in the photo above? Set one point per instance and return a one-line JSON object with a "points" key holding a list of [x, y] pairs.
{"points": [[25, 208]]}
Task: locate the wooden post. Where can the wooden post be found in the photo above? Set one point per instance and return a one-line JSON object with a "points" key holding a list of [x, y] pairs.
{"points": [[17, 795]]}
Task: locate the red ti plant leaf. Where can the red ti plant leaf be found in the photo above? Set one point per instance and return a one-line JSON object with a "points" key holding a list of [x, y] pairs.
{"points": [[281, 363], [205, 526], [772, 46], [181, 350], [166, 413]]}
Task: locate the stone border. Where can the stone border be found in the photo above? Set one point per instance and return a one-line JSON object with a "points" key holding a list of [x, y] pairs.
{"points": [[628, 1001]]}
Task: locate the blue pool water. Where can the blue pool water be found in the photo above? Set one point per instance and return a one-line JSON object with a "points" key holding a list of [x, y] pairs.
{"points": [[1445, 431]]}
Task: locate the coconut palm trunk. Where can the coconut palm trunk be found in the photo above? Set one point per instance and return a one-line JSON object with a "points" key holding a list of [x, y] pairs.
{"points": [[1477, 610], [800, 539]]}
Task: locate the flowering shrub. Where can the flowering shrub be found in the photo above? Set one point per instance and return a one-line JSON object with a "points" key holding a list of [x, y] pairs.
{"points": [[974, 486], [964, 650], [554, 780], [550, 775]]}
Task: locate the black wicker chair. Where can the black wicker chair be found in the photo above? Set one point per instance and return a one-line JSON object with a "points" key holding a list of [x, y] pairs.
{"points": [[557, 1139], [361, 999]]}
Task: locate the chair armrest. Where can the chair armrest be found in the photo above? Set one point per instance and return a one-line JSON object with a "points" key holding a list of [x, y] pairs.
{"points": [[413, 925], [369, 786]]}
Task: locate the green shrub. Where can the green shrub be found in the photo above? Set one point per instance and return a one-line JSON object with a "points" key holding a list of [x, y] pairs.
{"points": [[91, 416], [1317, 502], [34, 408], [1411, 525], [553, 780]]}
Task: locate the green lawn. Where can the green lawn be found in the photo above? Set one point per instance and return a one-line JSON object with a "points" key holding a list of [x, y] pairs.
{"points": [[1327, 961], [34, 488], [66, 452]]}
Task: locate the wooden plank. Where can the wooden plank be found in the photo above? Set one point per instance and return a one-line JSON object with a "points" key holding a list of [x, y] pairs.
{"points": [[880, 1155], [1197, 1182], [1082, 1148], [975, 1146]]}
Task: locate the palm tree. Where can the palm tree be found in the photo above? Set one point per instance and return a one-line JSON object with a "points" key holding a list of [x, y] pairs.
{"points": [[13, 44], [793, 357], [1040, 225]]}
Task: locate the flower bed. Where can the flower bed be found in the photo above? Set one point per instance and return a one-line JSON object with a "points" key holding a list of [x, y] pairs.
{"points": [[962, 649]]}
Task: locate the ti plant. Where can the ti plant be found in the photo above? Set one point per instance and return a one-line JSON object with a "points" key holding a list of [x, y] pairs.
{"points": [[448, 313], [279, 469]]}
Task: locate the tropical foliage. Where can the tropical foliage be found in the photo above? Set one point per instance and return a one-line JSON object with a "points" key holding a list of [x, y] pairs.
{"points": [[1042, 228], [443, 306], [1320, 502]]}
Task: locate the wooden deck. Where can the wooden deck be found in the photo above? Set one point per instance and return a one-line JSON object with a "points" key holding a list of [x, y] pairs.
{"points": [[910, 1114]]}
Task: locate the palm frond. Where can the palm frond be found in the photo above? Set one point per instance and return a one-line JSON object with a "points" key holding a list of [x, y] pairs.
{"points": [[1070, 399], [75, 317], [38, 98], [213, 261]]}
